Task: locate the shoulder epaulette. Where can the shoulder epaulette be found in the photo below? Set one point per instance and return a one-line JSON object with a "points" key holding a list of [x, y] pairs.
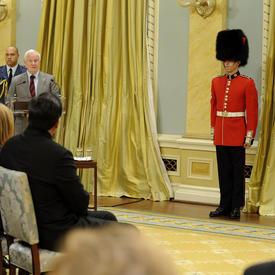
{"points": [[246, 76]]}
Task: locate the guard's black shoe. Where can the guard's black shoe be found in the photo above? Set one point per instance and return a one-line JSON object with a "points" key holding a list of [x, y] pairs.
{"points": [[235, 213], [219, 212], [6, 263]]}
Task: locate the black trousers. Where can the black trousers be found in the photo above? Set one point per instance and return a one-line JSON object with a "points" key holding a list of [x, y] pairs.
{"points": [[49, 238], [231, 165]]}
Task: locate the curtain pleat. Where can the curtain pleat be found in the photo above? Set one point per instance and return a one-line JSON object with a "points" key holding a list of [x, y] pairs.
{"points": [[261, 189], [96, 49]]}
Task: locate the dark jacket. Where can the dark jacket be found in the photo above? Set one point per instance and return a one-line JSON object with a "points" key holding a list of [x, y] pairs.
{"points": [[4, 75], [58, 195]]}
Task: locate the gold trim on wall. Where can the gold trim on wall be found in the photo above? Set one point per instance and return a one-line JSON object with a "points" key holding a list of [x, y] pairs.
{"points": [[8, 29], [3, 10]]}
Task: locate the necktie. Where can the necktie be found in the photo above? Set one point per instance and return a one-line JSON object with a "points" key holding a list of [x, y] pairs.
{"points": [[32, 87], [10, 77]]}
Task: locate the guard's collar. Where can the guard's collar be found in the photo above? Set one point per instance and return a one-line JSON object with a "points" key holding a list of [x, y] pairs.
{"points": [[233, 75]]}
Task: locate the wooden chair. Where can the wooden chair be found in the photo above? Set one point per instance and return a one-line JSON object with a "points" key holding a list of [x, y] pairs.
{"points": [[19, 222]]}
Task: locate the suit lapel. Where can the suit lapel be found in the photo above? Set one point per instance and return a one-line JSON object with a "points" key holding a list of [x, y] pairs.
{"points": [[18, 70], [40, 83], [25, 86]]}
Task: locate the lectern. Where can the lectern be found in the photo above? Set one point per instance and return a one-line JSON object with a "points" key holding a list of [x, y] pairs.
{"points": [[20, 107]]}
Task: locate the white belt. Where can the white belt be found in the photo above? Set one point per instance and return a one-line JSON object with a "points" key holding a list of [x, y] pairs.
{"points": [[230, 114]]}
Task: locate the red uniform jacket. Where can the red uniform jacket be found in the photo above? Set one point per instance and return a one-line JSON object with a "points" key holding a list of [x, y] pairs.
{"points": [[231, 97]]}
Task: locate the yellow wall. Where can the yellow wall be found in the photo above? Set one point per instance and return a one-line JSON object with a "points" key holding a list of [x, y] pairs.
{"points": [[8, 29], [202, 67]]}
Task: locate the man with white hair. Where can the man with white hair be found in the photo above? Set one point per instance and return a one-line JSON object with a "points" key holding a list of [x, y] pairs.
{"points": [[29, 84]]}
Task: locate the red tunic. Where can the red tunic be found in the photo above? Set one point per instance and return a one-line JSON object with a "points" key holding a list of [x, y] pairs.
{"points": [[239, 95]]}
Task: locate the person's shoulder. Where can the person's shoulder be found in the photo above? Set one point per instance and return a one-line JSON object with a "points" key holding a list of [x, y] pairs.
{"points": [[10, 144], [13, 139], [219, 76], [46, 75], [22, 68], [218, 79], [3, 70], [58, 148], [20, 76], [247, 79], [245, 76]]}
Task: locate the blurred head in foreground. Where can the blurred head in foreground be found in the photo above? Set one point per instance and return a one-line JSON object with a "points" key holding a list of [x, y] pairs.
{"points": [[112, 250], [6, 124], [45, 111]]}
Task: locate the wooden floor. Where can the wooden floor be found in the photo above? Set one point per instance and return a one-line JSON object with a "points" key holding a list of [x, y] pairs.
{"points": [[178, 208]]}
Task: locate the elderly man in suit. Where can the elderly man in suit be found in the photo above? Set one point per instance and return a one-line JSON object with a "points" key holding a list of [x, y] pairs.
{"points": [[8, 71], [29, 84]]}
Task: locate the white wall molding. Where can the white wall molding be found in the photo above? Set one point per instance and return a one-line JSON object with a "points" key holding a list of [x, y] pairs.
{"points": [[193, 160], [189, 193], [197, 194], [179, 142]]}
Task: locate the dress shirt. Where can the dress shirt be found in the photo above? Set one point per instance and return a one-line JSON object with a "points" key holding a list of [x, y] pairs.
{"points": [[13, 69]]}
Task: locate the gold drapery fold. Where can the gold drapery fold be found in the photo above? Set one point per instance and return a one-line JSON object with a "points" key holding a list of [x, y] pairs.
{"points": [[96, 49], [261, 189]]}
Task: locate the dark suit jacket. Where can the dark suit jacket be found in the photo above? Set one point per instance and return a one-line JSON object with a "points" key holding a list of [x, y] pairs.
{"points": [[4, 75], [267, 268], [58, 195]]}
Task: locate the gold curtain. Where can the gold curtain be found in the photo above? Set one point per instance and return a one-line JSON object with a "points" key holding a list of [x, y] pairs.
{"points": [[261, 189], [96, 49]]}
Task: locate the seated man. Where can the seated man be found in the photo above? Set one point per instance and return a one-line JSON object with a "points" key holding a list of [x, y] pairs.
{"points": [[59, 199]]}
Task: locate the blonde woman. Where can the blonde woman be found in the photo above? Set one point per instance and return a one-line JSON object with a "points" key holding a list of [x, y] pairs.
{"points": [[6, 124], [6, 131], [111, 250]]}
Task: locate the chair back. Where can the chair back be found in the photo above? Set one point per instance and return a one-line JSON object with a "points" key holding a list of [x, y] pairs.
{"points": [[16, 206]]}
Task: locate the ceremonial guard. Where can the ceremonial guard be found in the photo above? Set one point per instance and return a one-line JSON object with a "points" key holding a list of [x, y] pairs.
{"points": [[234, 116]]}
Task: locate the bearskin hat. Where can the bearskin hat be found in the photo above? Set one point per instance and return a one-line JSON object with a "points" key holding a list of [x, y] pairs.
{"points": [[232, 45]]}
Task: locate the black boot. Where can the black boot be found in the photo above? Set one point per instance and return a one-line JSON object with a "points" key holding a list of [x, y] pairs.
{"points": [[219, 212], [235, 213]]}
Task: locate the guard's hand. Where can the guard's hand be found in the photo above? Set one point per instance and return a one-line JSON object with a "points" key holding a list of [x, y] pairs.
{"points": [[246, 146]]}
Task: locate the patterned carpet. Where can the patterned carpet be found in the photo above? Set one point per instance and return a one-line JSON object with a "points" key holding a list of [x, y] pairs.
{"points": [[204, 246]]}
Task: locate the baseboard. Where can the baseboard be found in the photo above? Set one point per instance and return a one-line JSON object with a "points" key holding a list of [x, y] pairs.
{"points": [[196, 194]]}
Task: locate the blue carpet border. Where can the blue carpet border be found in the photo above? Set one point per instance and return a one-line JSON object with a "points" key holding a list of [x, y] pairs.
{"points": [[234, 229]]}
